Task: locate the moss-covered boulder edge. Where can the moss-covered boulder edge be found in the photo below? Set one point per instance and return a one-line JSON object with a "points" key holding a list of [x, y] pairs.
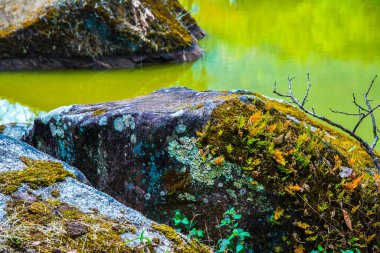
{"points": [[327, 188], [41, 211], [94, 34], [297, 183]]}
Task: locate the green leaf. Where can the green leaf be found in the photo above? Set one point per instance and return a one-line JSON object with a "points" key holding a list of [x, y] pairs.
{"points": [[239, 248], [230, 211], [229, 148], [237, 216], [176, 222], [178, 215], [185, 221]]}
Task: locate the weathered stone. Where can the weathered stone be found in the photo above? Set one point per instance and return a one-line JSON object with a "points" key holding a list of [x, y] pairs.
{"points": [[94, 34], [143, 152], [49, 206], [251, 152]]}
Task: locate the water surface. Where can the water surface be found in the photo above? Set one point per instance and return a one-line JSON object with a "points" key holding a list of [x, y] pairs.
{"points": [[250, 45]]}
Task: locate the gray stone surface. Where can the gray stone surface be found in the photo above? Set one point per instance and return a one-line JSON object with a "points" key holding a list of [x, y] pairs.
{"points": [[74, 192], [143, 152]]}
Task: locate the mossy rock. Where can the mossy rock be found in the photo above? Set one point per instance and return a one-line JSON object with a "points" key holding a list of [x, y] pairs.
{"points": [[52, 34], [296, 182], [44, 208]]}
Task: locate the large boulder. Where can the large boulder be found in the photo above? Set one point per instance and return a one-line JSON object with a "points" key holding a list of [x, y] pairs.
{"points": [[49, 206], [95, 34], [296, 182]]}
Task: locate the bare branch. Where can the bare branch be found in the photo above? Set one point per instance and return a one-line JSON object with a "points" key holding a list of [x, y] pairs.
{"points": [[346, 113], [364, 116], [307, 90], [355, 103], [370, 86], [369, 111]]}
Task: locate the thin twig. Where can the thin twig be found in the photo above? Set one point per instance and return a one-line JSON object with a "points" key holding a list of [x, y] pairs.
{"points": [[369, 111], [346, 113], [307, 90]]}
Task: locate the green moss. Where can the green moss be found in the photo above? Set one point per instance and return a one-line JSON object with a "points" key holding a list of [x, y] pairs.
{"points": [[179, 245], [341, 141], [51, 225], [55, 193], [174, 181], [99, 112], [45, 226], [37, 174], [300, 167]]}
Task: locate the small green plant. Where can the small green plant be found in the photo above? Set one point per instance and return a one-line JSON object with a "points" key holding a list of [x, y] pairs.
{"points": [[186, 226], [235, 239], [145, 242], [320, 249]]}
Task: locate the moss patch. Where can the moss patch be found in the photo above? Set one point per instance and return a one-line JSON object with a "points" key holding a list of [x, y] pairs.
{"points": [[99, 112], [53, 226], [37, 174], [175, 181], [180, 246], [302, 168]]}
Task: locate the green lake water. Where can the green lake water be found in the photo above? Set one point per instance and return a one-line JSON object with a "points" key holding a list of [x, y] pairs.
{"points": [[250, 44]]}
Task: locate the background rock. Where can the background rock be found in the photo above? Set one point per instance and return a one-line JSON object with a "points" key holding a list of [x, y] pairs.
{"points": [[94, 34]]}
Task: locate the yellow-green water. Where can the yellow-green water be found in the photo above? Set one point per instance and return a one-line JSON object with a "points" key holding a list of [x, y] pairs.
{"points": [[250, 45]]}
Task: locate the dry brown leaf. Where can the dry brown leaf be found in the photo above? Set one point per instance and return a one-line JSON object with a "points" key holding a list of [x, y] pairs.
{"points": [[347, 219], [278, 212], [279, 157], [299, 249], [370, 238], [219, 160], [302, 225], [354, 183], [293, 188], [271, 128], [256, 117]]}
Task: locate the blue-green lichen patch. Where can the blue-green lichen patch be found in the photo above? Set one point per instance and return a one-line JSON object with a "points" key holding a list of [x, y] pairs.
{"points": [[201, 170], [37, 174], [123, 122], [302, 168], [206, 171]]}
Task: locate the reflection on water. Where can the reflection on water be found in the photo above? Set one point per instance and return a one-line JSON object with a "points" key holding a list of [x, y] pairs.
{"points": [[250, 44], [48, 90]]}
